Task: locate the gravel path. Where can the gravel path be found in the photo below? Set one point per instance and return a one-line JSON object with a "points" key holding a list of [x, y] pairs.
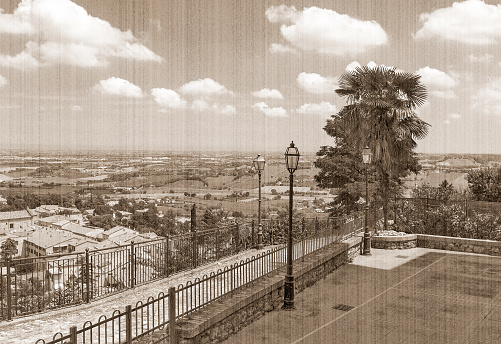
{"points": [[28, 329]]}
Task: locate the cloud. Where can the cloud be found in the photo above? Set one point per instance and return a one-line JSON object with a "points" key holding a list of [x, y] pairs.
{"points": [[438, 82], [119, 87], [315, 83], [77, 108], [271, 112], [470, 22], [168, 98], [480, 58], [63, 32], [276, 48], [326, 31], [23, 60], [3, 81], [200, 105], [352, 66], [204, 87], [447, 121], [323, 108], [487, 100], [267, 93], [455, 116]]}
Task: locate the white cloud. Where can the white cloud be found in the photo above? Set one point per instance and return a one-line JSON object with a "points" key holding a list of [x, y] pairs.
{"points": [[352, 66], [455, 116], [3, 81], [480, 58], [201, 105], [276, 48], [18, 22], [471, 22], [282, 13], [323, 108], [272, 112], [66, 33], [267, 93], [77, 108], [226, 109], [315, 83], [488, 99], [119, 87], [447, 121], [168, 98], [439, 83], [326, 31], [204, 87], [23, 60]]}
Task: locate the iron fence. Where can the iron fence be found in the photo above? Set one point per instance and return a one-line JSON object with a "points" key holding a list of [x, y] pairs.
{"points": [[36, 284], [162, 311]]}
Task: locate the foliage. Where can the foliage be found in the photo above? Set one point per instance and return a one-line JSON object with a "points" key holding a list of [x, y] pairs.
{"points": [[443, 192], [8, 249], [380, 114], [485, 184], [448, 220]]}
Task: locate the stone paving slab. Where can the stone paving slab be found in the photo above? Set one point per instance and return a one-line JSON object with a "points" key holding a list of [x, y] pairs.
{"points": [[428, 297]]}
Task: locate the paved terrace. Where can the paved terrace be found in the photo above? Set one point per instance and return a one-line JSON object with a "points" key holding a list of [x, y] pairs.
{"points": [[393, 296]]}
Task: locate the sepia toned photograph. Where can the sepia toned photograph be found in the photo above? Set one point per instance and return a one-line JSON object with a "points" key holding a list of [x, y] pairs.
{"points": [[250, 171]]}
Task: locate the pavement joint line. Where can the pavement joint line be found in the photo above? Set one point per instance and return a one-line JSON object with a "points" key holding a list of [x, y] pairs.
{"points": [[366, 302]]}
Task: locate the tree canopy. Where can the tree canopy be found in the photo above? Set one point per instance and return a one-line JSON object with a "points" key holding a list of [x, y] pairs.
{"points": [[379, 114]]}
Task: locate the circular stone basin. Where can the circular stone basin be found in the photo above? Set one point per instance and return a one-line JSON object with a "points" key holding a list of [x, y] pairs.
{"points": [[392, 240]]}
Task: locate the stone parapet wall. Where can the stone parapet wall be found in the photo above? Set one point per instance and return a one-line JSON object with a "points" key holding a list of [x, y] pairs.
{"points": [[216, 322], [489, 247], [394, 242]]}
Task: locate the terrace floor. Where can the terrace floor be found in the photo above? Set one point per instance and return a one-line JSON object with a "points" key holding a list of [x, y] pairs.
{"points": [[401, 296]]}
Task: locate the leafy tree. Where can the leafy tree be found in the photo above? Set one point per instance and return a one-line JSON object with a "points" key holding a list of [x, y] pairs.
{"points": [[443, 192], [485, 184], [8, 249], [379, 114]]}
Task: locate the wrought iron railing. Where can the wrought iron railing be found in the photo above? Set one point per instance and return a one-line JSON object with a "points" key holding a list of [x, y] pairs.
{"points": [[36, 284], [165, 309]]}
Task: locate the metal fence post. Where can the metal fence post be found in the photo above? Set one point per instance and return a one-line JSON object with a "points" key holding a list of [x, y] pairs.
{"points": [[87, 276], [237, 238], [9, 291], [172, 316], [194, 239], [252, 245], [132, 265], [217, 243], [167, 256], [73, 335], [302, 238], [128, 324]]}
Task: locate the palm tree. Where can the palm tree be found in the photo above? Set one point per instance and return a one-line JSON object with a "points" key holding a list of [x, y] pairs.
{"points": [[380, 114]]}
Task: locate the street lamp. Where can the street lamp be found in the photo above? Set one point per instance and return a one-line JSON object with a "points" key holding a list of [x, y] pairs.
{"points": [[291, 160], [258, 164], [367, 156]]}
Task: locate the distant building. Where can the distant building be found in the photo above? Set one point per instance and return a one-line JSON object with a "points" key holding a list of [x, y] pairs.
{"points": [[47, 241], [13, 221]]}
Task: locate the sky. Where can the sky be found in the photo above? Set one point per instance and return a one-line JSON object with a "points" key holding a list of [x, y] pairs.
{"points": [[228, 75]]}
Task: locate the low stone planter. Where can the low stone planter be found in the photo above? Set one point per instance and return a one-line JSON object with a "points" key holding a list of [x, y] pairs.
{"points": [[394, 241]]}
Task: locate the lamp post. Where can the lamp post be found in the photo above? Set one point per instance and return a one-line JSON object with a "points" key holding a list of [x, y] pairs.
{"points": [[367, 157], [258, 164], [291, 160]]}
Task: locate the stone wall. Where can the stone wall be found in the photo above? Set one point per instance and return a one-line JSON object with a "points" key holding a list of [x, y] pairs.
{"points": [[394, 242], [489, 247], [216, 322]]}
